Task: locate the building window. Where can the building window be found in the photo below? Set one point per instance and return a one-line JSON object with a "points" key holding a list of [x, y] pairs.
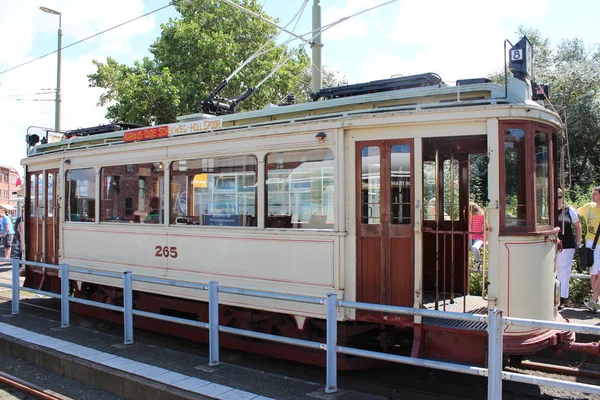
{"points": [[81, 195], [132, 193], [217, 191], [300, 189]]}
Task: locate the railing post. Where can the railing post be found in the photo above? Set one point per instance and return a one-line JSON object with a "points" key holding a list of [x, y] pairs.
{"points": [[213, 323], [495, 343], [64, 296], [331, 382], [15, 286], [128, 306]]}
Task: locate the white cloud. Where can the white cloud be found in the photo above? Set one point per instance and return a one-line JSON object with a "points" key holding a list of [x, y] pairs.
{"points": [[434, 26], [28, 30]]}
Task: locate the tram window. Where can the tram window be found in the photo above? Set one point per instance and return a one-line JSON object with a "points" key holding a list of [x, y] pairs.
{"points": [[217, 191], [429, 172], [132, 193], [32, 207], [40, 193], [515, 210], [451, 189], [401, 189], [50, 197], [542, 178], [370, 185], [300, 189], [80, 192]]}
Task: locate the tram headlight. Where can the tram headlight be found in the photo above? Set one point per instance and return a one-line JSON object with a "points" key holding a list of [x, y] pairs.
{"points": [[556, 293]]}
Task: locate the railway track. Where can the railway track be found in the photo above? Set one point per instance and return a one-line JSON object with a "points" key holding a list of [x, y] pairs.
{"points": [[30, 388], [421, 383]]}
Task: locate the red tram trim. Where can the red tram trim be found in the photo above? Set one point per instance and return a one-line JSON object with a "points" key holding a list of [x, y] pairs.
{"points": [[210, 236], [199, 272]]}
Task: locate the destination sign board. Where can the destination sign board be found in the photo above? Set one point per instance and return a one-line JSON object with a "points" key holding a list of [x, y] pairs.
{"points": [[177, 128]]}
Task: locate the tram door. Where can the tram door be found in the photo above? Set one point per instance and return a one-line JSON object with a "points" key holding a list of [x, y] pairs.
{"points": [[42, 217], [447, 189], [385, 222]]}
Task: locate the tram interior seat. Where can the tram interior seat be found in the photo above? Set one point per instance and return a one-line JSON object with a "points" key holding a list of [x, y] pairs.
{"points": [[279, 221]]}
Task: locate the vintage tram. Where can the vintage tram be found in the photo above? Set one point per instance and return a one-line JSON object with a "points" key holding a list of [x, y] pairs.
{"points": [[365, 193]]}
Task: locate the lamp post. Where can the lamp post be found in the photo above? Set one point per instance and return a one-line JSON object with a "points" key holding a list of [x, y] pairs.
{"points": [[57, 109]]}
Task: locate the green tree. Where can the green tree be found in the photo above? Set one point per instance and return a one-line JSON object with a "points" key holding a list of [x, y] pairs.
{"points": [[329, 79], [194, 53]]}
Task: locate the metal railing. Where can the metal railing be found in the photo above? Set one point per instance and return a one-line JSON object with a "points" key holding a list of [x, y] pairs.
{"points": [[496, 324]]}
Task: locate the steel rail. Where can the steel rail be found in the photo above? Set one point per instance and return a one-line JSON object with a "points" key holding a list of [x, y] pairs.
{"points": [[30, 388]]}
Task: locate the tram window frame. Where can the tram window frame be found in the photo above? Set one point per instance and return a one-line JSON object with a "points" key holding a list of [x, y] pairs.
{"points": [[91, 189], [123, 182], [531, 204], [286, 164], [222, 181]]}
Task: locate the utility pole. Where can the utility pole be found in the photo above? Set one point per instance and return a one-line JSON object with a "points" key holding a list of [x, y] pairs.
{"points": [[317, 78]]}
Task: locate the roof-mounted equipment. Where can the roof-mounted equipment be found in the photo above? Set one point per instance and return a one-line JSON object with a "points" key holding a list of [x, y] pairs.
{"points": [[216, 105], [383, 85], [96, 130]]}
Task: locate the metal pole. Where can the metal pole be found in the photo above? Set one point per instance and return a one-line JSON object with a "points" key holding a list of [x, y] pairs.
{"points": [[317, 78], [15, 286], [331, 383], [128, 306], [213, 323], [437, 229], [495, 331], [58, 65], [452, 200], [64, 296]]}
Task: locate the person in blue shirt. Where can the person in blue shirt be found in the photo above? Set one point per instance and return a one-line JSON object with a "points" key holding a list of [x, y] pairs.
{"points": [[6, 231]]}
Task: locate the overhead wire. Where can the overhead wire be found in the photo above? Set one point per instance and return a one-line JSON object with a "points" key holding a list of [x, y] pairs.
{"points": [[258, 53], [316, 32], [87, 38]]}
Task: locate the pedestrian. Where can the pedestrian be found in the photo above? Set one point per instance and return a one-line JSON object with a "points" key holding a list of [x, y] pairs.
{"points": [[17, 242], [567, 218], [591, 213], [476, 229], [7, 231]]}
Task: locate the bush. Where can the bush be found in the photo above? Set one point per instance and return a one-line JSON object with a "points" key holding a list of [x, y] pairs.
{"points": [[580, 291], [475, 279]]}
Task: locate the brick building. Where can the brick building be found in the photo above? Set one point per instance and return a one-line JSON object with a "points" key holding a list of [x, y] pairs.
{"points": [[11, 189]]}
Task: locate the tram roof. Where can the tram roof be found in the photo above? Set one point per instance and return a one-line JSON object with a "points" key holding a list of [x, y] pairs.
{"points": [[414, 99]]}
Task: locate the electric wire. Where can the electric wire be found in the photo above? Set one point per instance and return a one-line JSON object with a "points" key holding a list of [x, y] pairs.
{"points": [[87, 38], [258, 53]]}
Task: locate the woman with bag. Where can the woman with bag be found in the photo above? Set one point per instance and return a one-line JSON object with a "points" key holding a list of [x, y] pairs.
{"points": [[567, 217], [591, 213]]}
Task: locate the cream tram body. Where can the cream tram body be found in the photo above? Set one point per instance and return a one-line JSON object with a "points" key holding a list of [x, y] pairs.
{"points": [[302, 261]]}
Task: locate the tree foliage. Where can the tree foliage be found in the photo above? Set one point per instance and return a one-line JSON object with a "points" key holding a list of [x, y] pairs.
{"points": [[194, 53]]}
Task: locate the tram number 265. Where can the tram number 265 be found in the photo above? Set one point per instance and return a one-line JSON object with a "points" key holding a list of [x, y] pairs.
{"points": [[166, 251]]}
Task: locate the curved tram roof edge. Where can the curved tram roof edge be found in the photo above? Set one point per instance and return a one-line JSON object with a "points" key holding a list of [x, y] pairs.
{"points": [[496, 93]]}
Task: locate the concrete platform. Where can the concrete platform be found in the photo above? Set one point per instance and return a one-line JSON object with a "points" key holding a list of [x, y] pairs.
{"points": [[143, 371]]}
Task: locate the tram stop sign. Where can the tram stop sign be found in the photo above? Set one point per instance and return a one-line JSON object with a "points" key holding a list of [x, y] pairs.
{"points": [[521, 59]]}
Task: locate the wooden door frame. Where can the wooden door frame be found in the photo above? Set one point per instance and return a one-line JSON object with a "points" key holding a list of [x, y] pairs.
{"points": [[385, 230]]}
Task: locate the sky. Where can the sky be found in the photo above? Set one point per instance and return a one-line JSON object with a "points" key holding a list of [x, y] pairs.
{"points": [[456, 39]]}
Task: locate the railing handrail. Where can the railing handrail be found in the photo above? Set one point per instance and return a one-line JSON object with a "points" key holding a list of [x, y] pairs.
{"points": [[495, 325]]}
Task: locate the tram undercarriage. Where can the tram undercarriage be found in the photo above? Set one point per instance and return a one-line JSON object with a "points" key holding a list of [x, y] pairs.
{"points": [[433, 338]]}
